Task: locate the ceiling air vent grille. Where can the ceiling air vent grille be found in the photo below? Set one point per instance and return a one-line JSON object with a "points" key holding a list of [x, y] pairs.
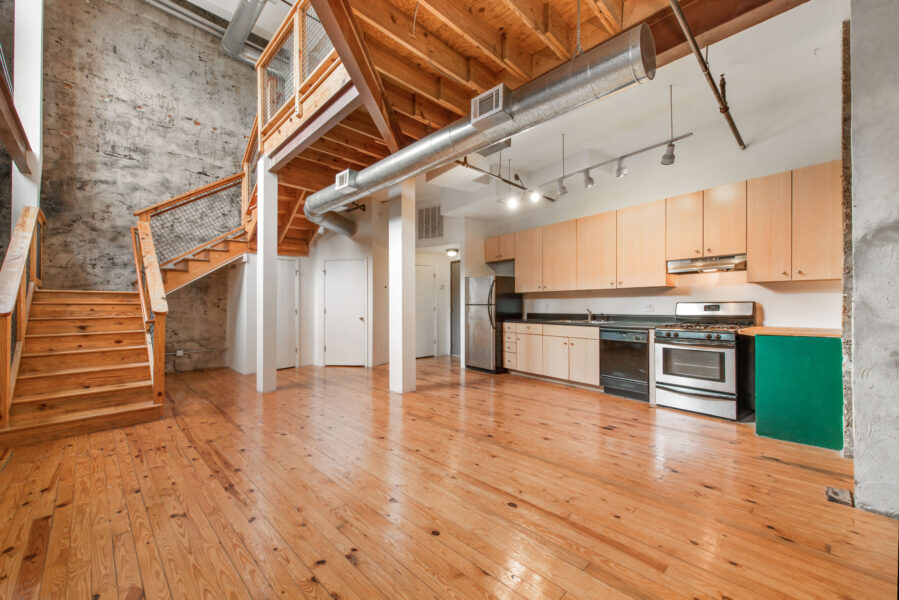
{"points": [[491, 107], [430, 223]]}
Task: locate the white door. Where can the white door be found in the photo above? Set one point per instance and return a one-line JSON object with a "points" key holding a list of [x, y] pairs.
{"points": [[346, 285], [288, 312], [425, 311]]}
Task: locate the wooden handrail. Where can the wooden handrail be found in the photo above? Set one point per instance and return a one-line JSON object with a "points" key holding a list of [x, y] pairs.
{"points": [[155, 289], [152, 293], [16, 257], [283, 31], [12, 133], [196, 194]]}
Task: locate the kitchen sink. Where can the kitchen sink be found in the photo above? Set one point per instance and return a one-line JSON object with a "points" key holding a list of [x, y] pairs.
{"points": [[573, 321]]}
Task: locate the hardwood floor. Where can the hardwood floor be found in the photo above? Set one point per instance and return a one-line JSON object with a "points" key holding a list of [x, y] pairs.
{"points": [[476, 486]]}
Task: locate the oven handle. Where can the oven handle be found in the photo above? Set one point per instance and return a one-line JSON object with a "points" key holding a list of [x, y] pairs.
{"points": [[679, 389]]}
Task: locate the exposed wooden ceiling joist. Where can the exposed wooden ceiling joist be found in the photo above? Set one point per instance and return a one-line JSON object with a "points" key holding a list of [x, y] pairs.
{"points": [[418, 107], [340, 151], [292, 213], [609, 12], [341, 134], [337, 18], [303, 174], [547, 24]]}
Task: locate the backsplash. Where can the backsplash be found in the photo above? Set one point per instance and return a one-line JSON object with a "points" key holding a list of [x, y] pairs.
{"points": [[785, 304]]}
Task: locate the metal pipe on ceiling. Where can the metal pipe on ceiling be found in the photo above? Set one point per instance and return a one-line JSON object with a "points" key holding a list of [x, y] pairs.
{"points": [[241, 26], [612, 66], [719, 96]]}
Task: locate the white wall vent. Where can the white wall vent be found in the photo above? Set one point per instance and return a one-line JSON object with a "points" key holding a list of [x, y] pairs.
{"points": [[430, 223], [346, 180], [491, 107]]}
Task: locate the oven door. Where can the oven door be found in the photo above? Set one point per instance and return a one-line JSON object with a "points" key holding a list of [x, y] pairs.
{"points": [[699, 367]]}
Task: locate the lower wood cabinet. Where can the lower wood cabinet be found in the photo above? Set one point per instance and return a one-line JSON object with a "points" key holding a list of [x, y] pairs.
{"points": [[583, 361], [529, 354], [555, 357], [563, 352]]}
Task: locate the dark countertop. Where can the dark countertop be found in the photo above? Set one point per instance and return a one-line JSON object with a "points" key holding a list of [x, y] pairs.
{"points": [[610, 322]]}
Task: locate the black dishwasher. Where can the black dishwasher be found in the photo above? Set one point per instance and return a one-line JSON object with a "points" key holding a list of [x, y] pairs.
{"points": [[624, 362]]}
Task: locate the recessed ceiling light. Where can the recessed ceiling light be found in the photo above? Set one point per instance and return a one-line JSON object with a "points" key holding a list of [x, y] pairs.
{"points": [[452, 252]]}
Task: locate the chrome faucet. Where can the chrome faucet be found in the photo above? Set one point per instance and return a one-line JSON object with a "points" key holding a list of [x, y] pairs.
{"points": [[589, 315]]}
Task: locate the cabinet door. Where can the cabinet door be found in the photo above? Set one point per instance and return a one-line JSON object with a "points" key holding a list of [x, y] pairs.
{"points": [[529, 357], [560, 256], [724, 220], [683, 226], [596, 253], [641, 246], [817, 222], [555, 357], [583, 361], [507, 246], [529, 260], [491, 249], [768, 227]]}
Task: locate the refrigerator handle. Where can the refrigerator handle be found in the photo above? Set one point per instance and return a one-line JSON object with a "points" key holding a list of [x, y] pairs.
{"points": [[490, 309], [490, 298]]}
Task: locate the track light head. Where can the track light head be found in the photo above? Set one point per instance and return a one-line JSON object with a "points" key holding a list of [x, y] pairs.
{"points": [[560, 187], [588, 181], [512, 202], [668, 157], [534, 196], [621, 171]]}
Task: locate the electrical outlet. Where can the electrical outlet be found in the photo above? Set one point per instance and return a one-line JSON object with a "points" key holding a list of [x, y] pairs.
{"points": [[649, 307], [179, 352]]}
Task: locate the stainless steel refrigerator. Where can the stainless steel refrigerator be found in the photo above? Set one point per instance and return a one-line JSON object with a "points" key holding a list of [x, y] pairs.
{"points": [[488, 302]]}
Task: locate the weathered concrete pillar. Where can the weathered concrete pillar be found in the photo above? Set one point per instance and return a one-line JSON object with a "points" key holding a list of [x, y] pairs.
{"points": [[401, 291], [875, 240], [267, 278]]}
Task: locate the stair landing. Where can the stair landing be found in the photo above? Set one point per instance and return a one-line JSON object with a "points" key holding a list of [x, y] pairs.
{"points": [[84, 367]]}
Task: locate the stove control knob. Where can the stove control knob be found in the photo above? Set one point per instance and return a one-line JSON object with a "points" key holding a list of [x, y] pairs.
{"points": [[675, 334], [667, 334], [708, 336], [718, 337]]}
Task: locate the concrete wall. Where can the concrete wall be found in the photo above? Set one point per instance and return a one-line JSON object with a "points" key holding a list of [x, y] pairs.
{"points": [[875, 237], [139, 107], [6, 41]]}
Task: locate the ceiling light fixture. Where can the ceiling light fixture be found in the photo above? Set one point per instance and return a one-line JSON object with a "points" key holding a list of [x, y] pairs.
{"points": [[452, 252], [534, 196], [560, 184], [561, 190], [512, 202], [621, 170], [668, 157], [588, 181]]}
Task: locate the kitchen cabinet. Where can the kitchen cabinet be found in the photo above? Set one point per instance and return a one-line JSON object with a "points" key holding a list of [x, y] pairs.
{"points": [[583, 361], [641, 246], [817, 222], [559, 243], [555, 357], [683, 226], [769, 237], [499, 247], [596, 253], [529, 355], [724, 220], [529, 260]]}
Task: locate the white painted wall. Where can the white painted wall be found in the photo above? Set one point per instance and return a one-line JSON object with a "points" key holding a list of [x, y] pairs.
{"points": [[28, 57], [441, 263]]}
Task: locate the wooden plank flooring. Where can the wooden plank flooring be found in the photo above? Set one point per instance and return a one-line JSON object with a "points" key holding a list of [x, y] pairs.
{"points": [[476, 486]]}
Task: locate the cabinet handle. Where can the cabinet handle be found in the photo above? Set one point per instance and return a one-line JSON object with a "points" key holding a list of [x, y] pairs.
{"points": [[708, 249], [784, 273], [799, 272], [698, 252], [619, 283]]}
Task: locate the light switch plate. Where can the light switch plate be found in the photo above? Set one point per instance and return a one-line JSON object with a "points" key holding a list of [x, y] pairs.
{"points": [[649, 307]]}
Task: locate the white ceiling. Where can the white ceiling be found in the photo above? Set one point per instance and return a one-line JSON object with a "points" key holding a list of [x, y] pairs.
{"points": [[272, 15], [768, 67]]}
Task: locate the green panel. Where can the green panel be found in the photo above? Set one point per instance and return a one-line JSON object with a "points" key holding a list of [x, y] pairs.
{"points": [[799, 389]]}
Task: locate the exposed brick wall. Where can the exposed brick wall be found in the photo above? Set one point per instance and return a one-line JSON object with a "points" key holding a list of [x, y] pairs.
{"points": [[138, 107]]}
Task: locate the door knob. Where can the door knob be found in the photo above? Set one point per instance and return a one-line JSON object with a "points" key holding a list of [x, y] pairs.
{"points": [[361, 318]]}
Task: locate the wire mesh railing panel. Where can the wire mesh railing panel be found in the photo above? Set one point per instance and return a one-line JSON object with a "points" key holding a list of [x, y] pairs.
{"points": [[278, 85], [316, 43], [27, 270], [38, 234], [182, 227], [14, 332]]}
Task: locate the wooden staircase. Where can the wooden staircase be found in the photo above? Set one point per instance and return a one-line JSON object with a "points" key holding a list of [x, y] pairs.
{"points": [[184, 270], [84, 366]]}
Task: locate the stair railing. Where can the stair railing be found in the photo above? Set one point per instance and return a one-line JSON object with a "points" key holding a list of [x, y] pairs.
{"points": [[153, 304], [21, 274]]}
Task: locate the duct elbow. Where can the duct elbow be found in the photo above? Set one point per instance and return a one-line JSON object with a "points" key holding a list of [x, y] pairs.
{"points": [[241, 25], [333, 221]]}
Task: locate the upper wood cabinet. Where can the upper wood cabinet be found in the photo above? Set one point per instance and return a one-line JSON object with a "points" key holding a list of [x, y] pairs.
{"points": [[529, 260], [641, 246], [817, 222], [499, 247], [724, 220], [769, 221], [596, 251], [683, 226], [560, 256]]}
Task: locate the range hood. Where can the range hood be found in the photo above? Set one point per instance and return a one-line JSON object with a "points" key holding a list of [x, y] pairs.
{"points": [[734, 262]]}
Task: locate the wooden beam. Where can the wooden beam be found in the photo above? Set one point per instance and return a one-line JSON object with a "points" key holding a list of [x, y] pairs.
{"points": [[413, 128], [443, 91], [302, 174], [609, 13], [341, 134], [294, 209], [390, 21], [360, 122], [418, 107], [340, 25], [348, 154], [340, 106], [327, 160], [546, 23], [494, 43]]}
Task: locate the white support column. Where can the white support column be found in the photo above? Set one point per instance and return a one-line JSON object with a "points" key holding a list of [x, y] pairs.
{"points": [[401, 260], [28, 75], [266, 279]]}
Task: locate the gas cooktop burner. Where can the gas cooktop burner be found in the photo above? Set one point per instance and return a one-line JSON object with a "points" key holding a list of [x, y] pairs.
{"points": [[703, 327]]}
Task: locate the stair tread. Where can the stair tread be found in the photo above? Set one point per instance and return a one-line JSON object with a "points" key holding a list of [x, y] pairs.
{"points": [[54, 353], [103, 302], [40, 419], [196, 258], [80, 370], [51, 335], [55, 291], [89, 391], [85, 317]]}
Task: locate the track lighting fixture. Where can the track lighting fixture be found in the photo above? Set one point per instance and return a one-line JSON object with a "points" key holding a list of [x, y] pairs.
{"points": [[668, 157], [561, 190], [621, 171], [588, 181], [512, 202], [534, 196]]}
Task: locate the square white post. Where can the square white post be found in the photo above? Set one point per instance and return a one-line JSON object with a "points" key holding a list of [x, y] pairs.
{"points": [[401, 292], [266, 278]]}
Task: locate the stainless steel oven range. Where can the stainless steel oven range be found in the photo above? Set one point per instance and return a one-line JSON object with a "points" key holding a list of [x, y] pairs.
{"points": [[696, 359]]}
